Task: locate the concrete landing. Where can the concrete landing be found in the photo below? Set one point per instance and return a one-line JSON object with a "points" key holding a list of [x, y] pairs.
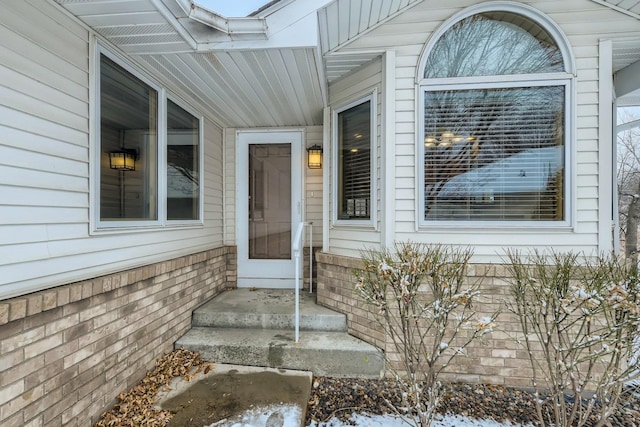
{"points": [[335, 354], [232, 395], [267, 309]]}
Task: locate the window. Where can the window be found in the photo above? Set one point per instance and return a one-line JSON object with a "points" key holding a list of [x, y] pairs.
{"points": [[354, 154], [183, 165], [144, 139], [128, 123], [494, 96]]}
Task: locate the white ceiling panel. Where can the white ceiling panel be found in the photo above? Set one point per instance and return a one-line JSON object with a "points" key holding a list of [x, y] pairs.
{"points": [[343, 20], [248, 88], [237, 88], [135, 26]]}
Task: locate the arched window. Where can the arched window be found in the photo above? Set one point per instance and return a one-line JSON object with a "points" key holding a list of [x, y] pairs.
{"points": [[494, 95]]}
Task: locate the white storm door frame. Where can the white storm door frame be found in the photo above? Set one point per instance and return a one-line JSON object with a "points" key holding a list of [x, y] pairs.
{"points": [[266, 273]]}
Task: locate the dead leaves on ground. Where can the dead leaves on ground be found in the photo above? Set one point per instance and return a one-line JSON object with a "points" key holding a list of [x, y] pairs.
{"points": [[135, 407]]}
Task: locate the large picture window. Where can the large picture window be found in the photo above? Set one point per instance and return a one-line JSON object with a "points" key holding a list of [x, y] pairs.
{"points": [[354, 137], [494, 149], [130, 143]]}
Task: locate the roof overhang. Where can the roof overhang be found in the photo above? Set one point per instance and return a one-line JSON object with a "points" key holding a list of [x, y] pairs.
{"points": [[237, 71]]}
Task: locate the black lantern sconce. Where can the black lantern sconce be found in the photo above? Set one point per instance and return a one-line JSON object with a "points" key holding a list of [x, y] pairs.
{"points": [[314, 157], [123, 159]]}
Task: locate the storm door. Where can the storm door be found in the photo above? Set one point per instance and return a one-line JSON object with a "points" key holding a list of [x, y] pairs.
{"points": [[269, 207]]}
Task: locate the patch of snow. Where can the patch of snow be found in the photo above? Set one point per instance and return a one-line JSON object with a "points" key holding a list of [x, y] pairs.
{"points": [[395, 421], [265, 416], [290, 416]]}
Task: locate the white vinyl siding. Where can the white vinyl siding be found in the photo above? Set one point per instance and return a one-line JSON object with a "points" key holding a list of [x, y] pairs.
{"points": [[345, 238], [44, 163], [313, 188], [584, 23]]}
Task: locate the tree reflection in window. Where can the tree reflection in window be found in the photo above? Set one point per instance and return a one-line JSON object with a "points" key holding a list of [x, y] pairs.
{"points": [[183, 182], [494, 152]]}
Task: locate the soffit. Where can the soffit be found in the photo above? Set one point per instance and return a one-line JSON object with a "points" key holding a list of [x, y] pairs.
{"points": [[132, 25], [236, 88], [342, 21], [247, 88], [626, 51]]}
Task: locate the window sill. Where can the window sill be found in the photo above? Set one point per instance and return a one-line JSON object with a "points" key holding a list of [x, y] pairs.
{"points": [[490, 227], [129, 229], [357, 225]]}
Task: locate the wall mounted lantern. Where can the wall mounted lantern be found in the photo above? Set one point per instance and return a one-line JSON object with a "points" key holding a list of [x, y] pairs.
{"points": [[123, 159], [314, 157]]}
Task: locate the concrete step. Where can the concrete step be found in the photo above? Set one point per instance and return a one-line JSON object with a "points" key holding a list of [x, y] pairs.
{"points": [[336, 354], [267, 309]]}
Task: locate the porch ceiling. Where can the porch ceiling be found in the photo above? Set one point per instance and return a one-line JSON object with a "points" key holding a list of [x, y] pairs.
{"points": [[626, 53], [626, 66], [248, 88], [236, 87]]}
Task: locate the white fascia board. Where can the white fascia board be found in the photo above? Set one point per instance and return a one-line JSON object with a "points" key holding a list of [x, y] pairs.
{"points": [[302, 33], [293, 12], [250, 25]]}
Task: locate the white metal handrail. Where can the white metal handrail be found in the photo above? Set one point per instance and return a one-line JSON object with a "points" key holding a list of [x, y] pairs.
{"points": [[297, 250]]}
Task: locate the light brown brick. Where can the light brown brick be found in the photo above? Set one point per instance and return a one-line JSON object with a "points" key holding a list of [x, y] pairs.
{"points": [[20, 402], [43, 345], [34, 304], [62, 297], [49, 300], [4, 313], [23, 338], [11, 391], [18, 309], [75, 292]]}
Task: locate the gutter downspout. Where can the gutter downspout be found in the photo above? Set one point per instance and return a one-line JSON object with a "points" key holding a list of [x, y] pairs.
{"points": [[250, 25]]}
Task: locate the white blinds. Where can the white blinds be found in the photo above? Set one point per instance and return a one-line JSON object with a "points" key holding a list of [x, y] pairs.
{"points": [[494, 154], [354, 165]]}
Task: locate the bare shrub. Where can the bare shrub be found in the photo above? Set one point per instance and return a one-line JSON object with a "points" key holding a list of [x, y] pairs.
{"points": [[425, 306], [579, 318]]}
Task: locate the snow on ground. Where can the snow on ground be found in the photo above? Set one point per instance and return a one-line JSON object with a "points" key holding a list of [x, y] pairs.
{"points": [[289, 416], [393, 421]]}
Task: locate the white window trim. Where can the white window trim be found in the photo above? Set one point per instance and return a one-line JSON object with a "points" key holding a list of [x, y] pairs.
{"points": [[372, 98], [566, 79], [98, 226]]}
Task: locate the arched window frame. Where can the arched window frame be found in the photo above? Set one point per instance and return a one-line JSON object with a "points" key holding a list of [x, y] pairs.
{"points": [[566, 78]]}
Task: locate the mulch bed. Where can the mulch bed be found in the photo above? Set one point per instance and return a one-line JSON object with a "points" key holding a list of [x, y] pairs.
{"points": [[340, 397]]}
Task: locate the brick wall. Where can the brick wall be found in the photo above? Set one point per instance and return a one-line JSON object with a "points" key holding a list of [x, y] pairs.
{"points": [[67, 352], [336, 290], [496, 359]]}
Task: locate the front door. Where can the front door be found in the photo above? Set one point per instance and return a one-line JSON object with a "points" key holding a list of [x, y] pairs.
{"points": [[269, 207]]}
